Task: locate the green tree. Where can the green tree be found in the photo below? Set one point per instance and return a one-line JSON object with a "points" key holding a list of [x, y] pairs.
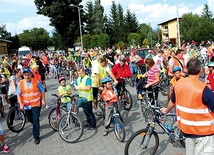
{"points": [[4, 34], [144, 30], [94, 40], [121, 30], [206, 13], [103, 40], [98, 16], [113, 23], [90, 19], [131, 23], [121, 45], [63, 17], [56, 40], [87, 41], [145, 43], [37, 38], [134, 39]]}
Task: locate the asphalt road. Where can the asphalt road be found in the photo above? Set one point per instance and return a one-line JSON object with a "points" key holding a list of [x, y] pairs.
{"points": [[91, 143]]}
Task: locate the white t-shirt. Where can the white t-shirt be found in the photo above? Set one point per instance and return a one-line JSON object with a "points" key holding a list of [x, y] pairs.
{"points": [[158, 61], [186, 58], [203, 51]]}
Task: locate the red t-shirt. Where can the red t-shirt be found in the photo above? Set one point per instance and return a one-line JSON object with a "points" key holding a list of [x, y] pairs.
{"points": [[121, 72], [210, 78]]}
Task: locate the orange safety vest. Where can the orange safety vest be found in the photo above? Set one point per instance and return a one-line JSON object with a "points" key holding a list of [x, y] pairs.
{"points": [[193, 116], [106, 95], [36, 75], [30, 96], [177, 63]]}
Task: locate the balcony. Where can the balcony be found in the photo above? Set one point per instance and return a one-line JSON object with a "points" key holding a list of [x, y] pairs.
{"points": [[166, 39]]}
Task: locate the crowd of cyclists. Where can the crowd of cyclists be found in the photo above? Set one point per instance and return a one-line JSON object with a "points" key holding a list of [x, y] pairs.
{"points": [[99, 64]]}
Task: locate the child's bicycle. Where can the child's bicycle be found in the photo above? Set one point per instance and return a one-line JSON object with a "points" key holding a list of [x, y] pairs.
{"points": [[59, 110], [118, 123], [70, 126], [16, 119], [146, 141]]}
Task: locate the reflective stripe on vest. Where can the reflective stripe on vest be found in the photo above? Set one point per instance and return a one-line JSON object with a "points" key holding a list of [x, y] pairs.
{"points": [[84, 93], [193, 116], [30, 95]]}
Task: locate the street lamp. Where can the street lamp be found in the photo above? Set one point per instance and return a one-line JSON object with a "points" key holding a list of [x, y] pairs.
{"points": [[79, 24], [178, 26]]}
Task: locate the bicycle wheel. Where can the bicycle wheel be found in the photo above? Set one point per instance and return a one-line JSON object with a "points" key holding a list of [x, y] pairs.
{"points": [[53, 119], [70, 128], [149, 114], [141, 143], [119, 130], [16, 119], [127, 103]]}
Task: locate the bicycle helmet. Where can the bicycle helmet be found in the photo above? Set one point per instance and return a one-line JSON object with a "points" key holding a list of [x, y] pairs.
{"points": [[176, 68], [105, 80], [61, 78], [122, 58], [210, 64]]}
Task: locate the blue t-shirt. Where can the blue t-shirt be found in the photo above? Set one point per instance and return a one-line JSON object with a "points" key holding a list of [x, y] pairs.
{"points": [[40, 87]]}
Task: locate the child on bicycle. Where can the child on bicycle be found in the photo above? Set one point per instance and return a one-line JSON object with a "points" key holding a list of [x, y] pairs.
{"points": [[109, 96], [64, 90]]}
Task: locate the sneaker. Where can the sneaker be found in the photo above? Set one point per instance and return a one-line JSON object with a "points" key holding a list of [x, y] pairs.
{"points": [[36, 141], [86, 125], [5, 148], [72, 82], [105, 132], [92, 128], [47, 106]]}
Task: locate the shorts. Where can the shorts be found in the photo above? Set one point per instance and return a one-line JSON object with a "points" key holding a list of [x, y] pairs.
{"points": [[3, 90], [95, 92]]}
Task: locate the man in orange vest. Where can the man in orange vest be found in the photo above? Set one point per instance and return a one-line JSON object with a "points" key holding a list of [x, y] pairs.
{"points": [[29, 92], [194, 110], [177, 60]]}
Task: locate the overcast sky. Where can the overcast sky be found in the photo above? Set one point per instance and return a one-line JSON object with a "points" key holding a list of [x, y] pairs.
{"points": [[19, 15]]}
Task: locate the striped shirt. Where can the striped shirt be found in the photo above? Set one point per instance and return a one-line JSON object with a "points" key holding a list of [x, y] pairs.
{"points": [[151, 74]]}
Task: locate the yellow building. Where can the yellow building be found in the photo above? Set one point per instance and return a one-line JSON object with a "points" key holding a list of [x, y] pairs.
{"points": [[170, 31], [4, 48]]}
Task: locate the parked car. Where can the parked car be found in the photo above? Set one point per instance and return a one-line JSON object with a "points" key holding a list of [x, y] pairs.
{"points": [[142, 52]]}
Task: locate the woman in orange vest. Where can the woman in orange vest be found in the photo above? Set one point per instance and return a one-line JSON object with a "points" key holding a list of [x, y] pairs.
{"points": [[194, 110], [29, 93]]}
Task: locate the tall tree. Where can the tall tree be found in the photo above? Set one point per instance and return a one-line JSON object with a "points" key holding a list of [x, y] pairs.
{"points": [[98, 16], [90, 18], [144, 30], [113, 23], [121, 30], [206, 13], [131, 23], [63, 17]]}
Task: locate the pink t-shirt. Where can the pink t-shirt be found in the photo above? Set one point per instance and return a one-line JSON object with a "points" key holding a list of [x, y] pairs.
{"points": [[151, 74]]}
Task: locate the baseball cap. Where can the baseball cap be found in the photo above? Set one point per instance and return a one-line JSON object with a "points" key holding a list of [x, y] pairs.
{"points": [[26, 70]]}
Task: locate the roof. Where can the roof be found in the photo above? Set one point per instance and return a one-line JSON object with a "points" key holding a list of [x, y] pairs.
{"points": [[77, 44], [169, 21], [4, 40]]}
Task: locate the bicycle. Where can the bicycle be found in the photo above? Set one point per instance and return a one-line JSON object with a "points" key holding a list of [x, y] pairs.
{"points": [[16, 119], [148, 136], [58, 111], [70, 123], [124, 96], [119, 130]]}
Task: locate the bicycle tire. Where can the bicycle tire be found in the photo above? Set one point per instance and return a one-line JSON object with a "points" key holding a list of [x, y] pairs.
{"points": [[130, 82], [119, 130], [127, 103], [131, 149], [53, 120], [15, 126], [65, 124]]}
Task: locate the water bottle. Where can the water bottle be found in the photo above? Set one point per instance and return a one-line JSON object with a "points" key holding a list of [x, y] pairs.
{"points": [[169, 128]]}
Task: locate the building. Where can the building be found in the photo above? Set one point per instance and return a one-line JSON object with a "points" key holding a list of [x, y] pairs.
{"points": [[170, 31], [4, 48]]}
